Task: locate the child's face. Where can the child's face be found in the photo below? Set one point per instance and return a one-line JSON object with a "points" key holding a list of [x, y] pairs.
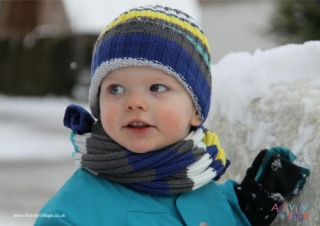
{"points": [[144, 109]]}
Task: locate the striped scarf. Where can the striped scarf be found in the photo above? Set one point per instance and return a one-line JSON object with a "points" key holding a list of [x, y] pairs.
{"points": [[181, 167]]}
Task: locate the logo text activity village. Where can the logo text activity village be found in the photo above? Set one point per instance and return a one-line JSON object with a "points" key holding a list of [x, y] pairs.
{"points": [[289, 211]]}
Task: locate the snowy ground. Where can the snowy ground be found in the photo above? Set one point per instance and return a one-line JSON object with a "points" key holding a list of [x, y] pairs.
{"points": [[35, 155], [260, 100], [32, 128]]}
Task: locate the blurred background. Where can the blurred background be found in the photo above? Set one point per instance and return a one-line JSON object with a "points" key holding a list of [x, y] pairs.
{"points": [[46, 46], [45, 54]]}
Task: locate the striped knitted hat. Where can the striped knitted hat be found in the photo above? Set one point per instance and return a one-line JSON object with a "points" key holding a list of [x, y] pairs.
{"points": [[159, 37]]}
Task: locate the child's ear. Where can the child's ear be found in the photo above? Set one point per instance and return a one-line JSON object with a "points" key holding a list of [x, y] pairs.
{"points": [[195, 120]]}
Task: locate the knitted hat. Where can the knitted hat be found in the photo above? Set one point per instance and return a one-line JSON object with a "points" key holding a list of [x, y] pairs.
{"points": [[159, 37]]}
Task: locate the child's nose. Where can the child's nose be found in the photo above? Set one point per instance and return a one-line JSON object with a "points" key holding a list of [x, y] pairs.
{"points": [[136, 102]]}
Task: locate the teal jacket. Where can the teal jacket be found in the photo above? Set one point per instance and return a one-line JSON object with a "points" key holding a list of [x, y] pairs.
{"points": [[86, 199]]}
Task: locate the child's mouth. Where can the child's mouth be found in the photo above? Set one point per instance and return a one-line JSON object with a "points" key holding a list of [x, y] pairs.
{"points": [[138, 125]]}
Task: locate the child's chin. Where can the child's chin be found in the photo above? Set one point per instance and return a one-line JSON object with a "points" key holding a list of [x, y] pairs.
{"points": [[142, 151]]}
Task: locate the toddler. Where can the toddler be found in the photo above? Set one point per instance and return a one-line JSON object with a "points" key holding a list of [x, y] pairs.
{"points": [[146, 158]]}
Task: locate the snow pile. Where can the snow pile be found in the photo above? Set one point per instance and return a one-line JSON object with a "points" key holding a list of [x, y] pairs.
{"points": [[266, 99]]}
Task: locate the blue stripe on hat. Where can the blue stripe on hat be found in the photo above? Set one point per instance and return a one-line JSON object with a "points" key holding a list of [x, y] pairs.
{"points": [[161, 51]]}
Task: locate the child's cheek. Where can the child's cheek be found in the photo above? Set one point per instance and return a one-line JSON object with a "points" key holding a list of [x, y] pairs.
{"points": [[170, 118], [108, 116]]}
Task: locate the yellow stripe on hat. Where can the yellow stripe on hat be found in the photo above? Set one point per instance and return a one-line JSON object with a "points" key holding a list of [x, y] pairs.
{"points": [[210, 139], [159, 15]]}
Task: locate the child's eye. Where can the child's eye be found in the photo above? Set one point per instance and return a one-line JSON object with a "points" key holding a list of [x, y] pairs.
{"points": [[116, 89], [158, 88]]}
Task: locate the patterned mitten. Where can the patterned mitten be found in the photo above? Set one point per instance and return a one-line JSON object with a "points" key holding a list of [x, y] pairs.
{"points": [[272, 178]]}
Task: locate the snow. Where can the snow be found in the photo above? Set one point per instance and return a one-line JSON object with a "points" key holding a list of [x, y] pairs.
{"points": [[276, 164], [270, 98], [32, 129], [253, 76], [277, 197], [99, 13], [259, 100]]}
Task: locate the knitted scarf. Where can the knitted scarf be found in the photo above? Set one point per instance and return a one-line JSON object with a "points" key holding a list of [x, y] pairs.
{"points": [[181, 167]]}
